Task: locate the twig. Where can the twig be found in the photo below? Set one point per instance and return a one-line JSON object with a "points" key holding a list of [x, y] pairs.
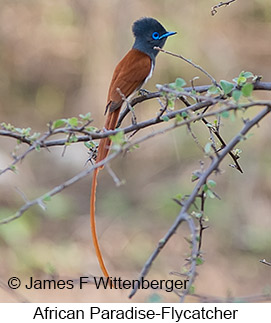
{"points": [[183, 217], [221, 3], [223, 143], [115, 178], [195, 138], [40, 200], [201, 226], [263, 261], [189, 62]]}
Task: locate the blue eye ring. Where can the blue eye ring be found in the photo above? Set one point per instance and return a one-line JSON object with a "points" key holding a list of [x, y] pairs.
{"points": [[155, 35]]}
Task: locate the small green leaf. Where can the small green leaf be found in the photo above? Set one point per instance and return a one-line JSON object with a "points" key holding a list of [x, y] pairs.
{"points": [[172, 86], [211, 183], [171, 104], [199, 261], [247, 89], [165, 118], [236, 94], [225, 114], [210, 194], [13, 168], [241, 80], [90, 144], [226, 86], [207, 148], [178, 197], [85, 117], [35, 136], [213, 90], [59, 123], [46, 198], [180, 83], [26, 132], [233, 116], [118, 138], [192, 289], [178, 118], [91, 129], [247, 74], [194, 177], [19, 130], [132, 148], [73, 138], [7, 126], [198, 215], [73, 122], [37, 148]]}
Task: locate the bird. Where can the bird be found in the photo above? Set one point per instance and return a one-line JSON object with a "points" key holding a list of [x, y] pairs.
{"points": [[130, 74]]}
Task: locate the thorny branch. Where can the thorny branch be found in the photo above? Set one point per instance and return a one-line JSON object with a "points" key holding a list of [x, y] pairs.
{"points": [[183, 215], [215, 131], [44, 142]]}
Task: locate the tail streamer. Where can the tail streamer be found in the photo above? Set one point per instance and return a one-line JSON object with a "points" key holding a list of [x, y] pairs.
{"points": [[93, 223]]}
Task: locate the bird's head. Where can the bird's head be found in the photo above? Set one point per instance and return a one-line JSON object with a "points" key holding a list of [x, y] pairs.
{"points": [[149, 33]]}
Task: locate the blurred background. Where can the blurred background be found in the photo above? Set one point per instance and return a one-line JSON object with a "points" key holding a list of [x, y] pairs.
{"points": [[56, 61]]}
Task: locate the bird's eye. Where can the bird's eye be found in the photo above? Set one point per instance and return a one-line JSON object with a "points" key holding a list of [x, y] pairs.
{"points": [[155, 35]]}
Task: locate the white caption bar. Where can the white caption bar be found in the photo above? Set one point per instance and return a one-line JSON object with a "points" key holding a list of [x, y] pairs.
{"points": [[134, 312]]}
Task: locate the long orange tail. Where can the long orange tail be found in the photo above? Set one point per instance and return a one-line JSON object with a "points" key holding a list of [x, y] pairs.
{"points": [[103, 151], [93, 223]]}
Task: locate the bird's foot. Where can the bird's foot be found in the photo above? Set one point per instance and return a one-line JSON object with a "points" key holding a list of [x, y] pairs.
{"points": [[143, 92]]}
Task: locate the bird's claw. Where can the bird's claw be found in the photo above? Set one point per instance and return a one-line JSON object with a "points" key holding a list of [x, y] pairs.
{"points": [[143, 92]]}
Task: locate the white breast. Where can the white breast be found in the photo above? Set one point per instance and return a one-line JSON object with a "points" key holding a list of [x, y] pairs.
{"points": [[150, 74]]}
